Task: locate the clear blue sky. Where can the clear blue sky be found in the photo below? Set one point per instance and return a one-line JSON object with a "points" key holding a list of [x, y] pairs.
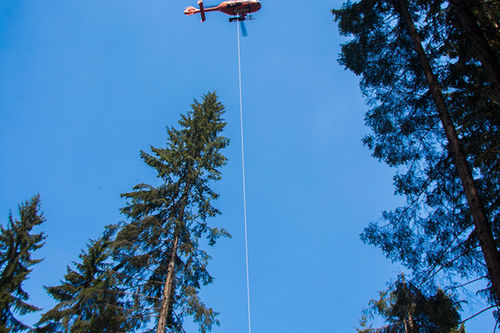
{"points": [[84, 85]]}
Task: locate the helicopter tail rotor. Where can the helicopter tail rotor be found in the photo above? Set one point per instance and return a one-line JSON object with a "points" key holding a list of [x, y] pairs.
{"points": [[191, 11], [202, 11]]}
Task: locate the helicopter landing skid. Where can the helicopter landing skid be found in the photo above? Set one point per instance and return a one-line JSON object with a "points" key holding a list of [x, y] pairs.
{"points": [[240, 18], [237, 19]]}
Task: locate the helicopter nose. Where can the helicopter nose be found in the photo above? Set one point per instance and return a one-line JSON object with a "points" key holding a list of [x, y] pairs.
{"points": [[190, 11]]}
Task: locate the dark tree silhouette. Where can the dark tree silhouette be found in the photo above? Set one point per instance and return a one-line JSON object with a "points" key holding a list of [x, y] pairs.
{"points": [[17, 244]]}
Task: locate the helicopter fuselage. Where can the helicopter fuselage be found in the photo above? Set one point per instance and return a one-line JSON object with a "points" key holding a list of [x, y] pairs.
{"points": [[237, 9]]}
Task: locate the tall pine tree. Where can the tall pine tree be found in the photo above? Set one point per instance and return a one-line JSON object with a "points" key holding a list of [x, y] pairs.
{"points": [[17, 244], [431, 118], [159, 249]]}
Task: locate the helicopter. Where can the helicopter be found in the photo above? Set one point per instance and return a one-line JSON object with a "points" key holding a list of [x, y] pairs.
{"points": [[237, 9]]}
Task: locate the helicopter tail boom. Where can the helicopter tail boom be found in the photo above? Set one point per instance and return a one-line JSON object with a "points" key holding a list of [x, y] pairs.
{"points": [[190, 11]]}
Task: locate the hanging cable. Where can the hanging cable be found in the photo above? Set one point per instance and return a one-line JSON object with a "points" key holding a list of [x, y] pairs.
{"points": [[243, 179]]}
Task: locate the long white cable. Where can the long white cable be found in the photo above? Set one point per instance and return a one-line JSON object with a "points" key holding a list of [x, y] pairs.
{"points": [[243, 178]]}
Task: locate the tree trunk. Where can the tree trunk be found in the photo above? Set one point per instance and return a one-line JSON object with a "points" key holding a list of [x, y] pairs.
{"points": [[167, 289], [166, 305], [410, 328], [482, 225], [411, 324], [480, 45]]}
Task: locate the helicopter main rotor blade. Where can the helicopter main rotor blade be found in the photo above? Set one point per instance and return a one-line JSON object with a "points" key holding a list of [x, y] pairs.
{"points": [[243, 29]]}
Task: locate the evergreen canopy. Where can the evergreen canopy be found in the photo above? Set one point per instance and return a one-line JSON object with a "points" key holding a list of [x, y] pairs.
{"points": [[17, 243], [88, 299], [159, 250], [433, 234], [407, 309]]}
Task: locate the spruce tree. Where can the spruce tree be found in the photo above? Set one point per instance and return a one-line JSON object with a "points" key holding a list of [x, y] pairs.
{"points": [[17, 244], [159, 249], [432, 120], [407, 309], [88, 299]]}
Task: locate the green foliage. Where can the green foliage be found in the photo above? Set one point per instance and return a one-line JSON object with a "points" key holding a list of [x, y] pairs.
{"points": [[17, 243], [178, 207], [88, 299], [433, 231], [407, 309], [486, 13]]}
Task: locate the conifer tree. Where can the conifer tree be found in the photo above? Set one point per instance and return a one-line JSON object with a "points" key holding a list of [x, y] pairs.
{"points": [[432, 121], [17, 244], [159, 249], [407, 309], [88, 299]]}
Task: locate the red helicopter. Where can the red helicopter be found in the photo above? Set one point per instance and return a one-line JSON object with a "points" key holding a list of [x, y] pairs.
{"points": [[237, 9]]}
